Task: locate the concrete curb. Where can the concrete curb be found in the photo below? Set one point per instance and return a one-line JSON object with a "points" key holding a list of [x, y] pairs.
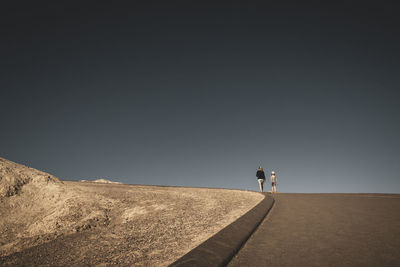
{"points": [[221, 247]]}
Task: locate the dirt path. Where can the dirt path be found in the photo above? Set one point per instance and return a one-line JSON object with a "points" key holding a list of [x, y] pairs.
{"points": [[326, 230]]}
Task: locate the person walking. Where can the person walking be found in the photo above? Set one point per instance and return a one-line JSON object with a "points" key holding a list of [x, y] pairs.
{"points": [[261, 178], [274, 181]]}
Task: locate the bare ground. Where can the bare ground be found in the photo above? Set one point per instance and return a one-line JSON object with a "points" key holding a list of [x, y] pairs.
{"points": [[326, 230], [65, 223]]}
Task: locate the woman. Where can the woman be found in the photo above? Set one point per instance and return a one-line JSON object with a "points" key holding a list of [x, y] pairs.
{"points": [[274, 181], [261, 178]]}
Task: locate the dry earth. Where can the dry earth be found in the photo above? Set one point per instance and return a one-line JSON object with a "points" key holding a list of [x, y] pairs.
{"points": [[46, 221]]}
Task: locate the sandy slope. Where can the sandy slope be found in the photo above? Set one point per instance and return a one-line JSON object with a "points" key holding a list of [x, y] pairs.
{"points": [[73, 223]]}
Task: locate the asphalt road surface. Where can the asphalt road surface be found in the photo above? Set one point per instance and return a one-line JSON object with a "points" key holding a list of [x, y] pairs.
{"points": [[326, 230]]}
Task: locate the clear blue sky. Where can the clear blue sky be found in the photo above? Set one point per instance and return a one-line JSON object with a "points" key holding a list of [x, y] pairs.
{"points": [[201, 95]]}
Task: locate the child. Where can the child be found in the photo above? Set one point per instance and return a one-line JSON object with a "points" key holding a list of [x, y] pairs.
{"points": [[274, 181]]}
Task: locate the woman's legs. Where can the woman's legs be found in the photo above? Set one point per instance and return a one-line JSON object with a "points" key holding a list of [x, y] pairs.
{"points": [[261, 186]]}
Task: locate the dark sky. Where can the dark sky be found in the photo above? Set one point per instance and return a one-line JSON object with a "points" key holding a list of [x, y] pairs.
{"points": [[177, 93]]}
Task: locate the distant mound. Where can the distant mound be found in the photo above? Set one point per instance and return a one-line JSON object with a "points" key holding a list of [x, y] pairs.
{"points": [[103, 181], [14, 176]]}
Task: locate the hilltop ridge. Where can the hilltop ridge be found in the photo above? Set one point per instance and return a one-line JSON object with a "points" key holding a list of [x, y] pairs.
{"points": [[14, 176], [36, 207]]}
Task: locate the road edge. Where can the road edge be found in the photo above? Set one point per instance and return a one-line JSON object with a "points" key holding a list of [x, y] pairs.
{"points": [[219, 249]]}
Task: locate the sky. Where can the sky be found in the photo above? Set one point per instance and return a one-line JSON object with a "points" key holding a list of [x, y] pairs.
{"points": [[200, 94]]}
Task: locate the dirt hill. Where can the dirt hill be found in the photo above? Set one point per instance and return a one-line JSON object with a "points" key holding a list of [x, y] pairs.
{"points": [[36, 207], [14, 176], [46, 221]]}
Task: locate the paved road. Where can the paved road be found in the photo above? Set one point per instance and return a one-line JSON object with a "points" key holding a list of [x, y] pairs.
{"points": [[326, 230]]}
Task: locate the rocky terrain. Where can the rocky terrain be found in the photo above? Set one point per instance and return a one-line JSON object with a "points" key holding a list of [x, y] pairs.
{"points": [[47, 221]]}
